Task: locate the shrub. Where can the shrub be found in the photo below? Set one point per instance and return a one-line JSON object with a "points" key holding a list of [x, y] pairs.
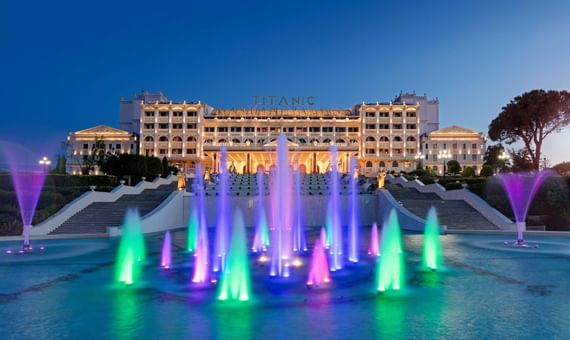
{"points": [[468, 172], [486, 171], [453, 167]]}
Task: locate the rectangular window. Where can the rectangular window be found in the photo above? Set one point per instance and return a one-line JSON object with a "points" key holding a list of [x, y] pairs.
{"points": [[473, 146], [411, 126], [410, 114], [163, 126], [370, 126], [209, 129], [444, 146], [434, 146], [86, 146], [149, 113], [177, 126], [235, 129], [384, 114], [464, 157], [370, 114], [162, 151], [384, 127], [177, 113], [314, 129], [191, 151], [290, 129], [149, 126], [384, 151], [370, 151], [474, 158], [352, 129], [397, 114], [191, 126], [434, 158], [164, 113], [118, 146], [340, 129], [223, 129], [397, 126], [177, 151], [248, 129], [328, 129], [262, 129], [464, 146], [301, 129], [191, 113], [455, 145], [427, 146]]}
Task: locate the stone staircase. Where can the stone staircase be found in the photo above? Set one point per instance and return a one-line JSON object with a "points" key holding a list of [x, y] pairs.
{"points": [[96, 217], [455, 214]]}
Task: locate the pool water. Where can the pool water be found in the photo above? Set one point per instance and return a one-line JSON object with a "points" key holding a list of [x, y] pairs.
{"points": [[486, 290]]}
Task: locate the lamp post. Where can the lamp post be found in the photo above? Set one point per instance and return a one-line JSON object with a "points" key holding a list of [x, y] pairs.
{"points": [[505, 157], [445, 155], [45, 163], [419, 156]]}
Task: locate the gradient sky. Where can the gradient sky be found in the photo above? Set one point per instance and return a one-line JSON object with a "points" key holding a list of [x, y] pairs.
{"points": [[66, 64]]}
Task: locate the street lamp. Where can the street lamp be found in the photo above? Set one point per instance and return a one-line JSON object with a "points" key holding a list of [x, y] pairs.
{"points": [[505, 157], [419, 156], [44, 162], [444, 154]]}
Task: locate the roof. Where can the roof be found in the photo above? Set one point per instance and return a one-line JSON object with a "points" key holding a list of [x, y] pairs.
{"points": [[101, 130], [454, 130]]}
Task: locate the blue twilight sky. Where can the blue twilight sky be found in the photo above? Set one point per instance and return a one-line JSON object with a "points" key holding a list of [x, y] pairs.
{"points": [[66, 64]]}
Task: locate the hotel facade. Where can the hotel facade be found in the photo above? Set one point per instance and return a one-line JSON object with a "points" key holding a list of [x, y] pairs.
{"points": [[386, 136]]}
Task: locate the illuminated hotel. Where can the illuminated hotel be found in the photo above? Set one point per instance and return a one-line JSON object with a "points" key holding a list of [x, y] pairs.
{"points": [[381, 135]]}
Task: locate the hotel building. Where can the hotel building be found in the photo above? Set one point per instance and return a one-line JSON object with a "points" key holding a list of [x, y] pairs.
{"points": [[453, 143], [380, 135], [85, 144]]}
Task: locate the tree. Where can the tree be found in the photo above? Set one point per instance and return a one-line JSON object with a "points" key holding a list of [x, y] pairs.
{"points": [[165, 170], [133, 166], [522, 161], [486, 171], [492, 158], [530, 118], [60, 165], [468, 172], [453, 167], [562, 168], [97, 156]]}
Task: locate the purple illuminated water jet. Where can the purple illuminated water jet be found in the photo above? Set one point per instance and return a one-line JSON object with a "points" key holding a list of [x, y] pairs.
{"points": [[28, 177], [281, 246], [521, 189], [166, 254], [222, 228], [319, 270], [354, 222], [336, 227], [261, 237], [299, 240]]}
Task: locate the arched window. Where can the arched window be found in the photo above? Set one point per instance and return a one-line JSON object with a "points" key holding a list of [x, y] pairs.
{"points": [[411, 139], [302, 141], [353, 141], [369, 164], [191, 139], [340, 141], [235, 140], [394, 164], [370, 139], [163, 139], [220, 141], [149, 139], [384, 139], [177, 139], [382, 164], [208, 141], [314, 141], [248, 141], [397, 139], [326, 141], [261, 141]]}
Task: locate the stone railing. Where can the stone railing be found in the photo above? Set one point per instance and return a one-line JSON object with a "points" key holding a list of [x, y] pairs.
{"points": [[490, 213], [93, 196]]}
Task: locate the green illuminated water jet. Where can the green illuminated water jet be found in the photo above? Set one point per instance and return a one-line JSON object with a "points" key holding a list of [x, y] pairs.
{"points": [[132, 249], [192, 236], [391, 267], [235, 279], [431, 245]]}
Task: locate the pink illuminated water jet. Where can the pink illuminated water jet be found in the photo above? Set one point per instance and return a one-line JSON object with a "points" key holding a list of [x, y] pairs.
{"points": [[319, 270], [374, 248], [166, 258]]}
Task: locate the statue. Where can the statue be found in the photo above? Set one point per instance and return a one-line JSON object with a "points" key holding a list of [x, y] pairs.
{"points": [[381, 177], [181, 181]]}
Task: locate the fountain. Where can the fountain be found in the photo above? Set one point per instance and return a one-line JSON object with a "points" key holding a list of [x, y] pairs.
{"points": [[335, 230], [166, 254], [198, 213], [521, 189], [222, 229], [319, 270], [261, 237], [132, 250], [374, 248], [431, 244], [323, 236], [201, 270], [235, 279], [299, 240], [390, 271], [354, 222], [281, 217], [28, 177]]}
